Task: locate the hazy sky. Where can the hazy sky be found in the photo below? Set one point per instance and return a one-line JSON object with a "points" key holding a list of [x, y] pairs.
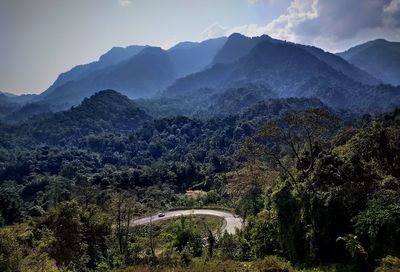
{"points": [[39, 39]]}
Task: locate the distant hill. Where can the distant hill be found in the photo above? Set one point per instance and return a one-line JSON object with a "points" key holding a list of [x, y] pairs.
{"points": [[291, 70], [6, 105], [380, 58], [112, 57], [140, 76], [103, 112], [238, 46], [11, 103], [27, 111], [282, 66], [18, 99], [341, 65], [7, 94]]}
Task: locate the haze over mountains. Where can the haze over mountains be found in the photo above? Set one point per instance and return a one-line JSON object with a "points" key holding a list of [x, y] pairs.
{"points": [[204, 72], [380, 58], [112, 57], [136, 71]]}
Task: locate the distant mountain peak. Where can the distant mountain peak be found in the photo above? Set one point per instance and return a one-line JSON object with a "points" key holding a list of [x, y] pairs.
{"points": [[117, 54], [152, 50], [381, 40], [236, 35], [113, 56], [380, 58], [183, 45], [190, 45], [237, 46], [109, 94]]}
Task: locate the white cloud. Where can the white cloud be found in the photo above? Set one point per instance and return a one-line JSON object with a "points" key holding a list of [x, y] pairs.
{"points": [[392, 7], [282, 27], [124, 3], [285, 26], [392, 14], [248, 30], [334, 25], [169, 43], [215, 30]]}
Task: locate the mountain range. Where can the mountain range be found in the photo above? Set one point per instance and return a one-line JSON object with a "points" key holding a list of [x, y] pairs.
{"points": [[379, 58], [290, 69], [204, 71], [136, 71]]}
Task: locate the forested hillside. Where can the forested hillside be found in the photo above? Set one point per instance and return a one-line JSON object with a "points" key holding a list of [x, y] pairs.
{"points": [[316, 187]]}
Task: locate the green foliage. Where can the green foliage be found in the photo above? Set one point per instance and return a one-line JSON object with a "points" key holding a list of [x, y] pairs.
{"points": [[379, 224], [234, 247], [264, 234], [327, 188], [38, 262], [273, 264], [10, 252], [11, 207], [353, 246], [79, 236], [187, 239], [388, 264]]}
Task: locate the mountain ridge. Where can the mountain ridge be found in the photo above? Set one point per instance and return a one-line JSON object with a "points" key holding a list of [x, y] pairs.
{"points": [[266, 56], [135, 76], [220, 64], [379, 57], [113, 56]]}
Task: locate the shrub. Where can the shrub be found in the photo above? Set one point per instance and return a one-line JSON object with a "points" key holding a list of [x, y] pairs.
{"points": [[273, 264], [389, 263]]}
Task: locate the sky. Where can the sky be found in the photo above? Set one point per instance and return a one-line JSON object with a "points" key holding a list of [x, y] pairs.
{"points": [[39, 39]]}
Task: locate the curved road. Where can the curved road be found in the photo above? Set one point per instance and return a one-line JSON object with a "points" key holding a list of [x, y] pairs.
{"points": [[232, 222]]}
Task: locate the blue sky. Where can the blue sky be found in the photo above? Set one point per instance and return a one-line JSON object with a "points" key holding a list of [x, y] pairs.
{"points": [[42, 38]]}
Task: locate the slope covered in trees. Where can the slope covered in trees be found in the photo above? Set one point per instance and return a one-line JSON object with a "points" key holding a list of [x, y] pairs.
{"points": [[316, 187], [105, 111]]}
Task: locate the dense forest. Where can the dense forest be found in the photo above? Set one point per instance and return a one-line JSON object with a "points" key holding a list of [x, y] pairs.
{"points": [[318, 188]]}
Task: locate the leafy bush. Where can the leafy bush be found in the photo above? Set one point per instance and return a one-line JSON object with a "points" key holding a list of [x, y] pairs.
{"points": [[389, 264]]}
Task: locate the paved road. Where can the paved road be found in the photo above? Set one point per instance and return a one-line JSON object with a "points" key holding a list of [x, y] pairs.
{"points": [[232, 222]]}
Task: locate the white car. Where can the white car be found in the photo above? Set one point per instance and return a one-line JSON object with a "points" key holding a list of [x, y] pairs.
{"points": [[161, 214]]}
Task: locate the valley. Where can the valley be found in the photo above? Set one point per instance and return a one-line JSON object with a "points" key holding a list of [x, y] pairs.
{"points": [[291, 154]]}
